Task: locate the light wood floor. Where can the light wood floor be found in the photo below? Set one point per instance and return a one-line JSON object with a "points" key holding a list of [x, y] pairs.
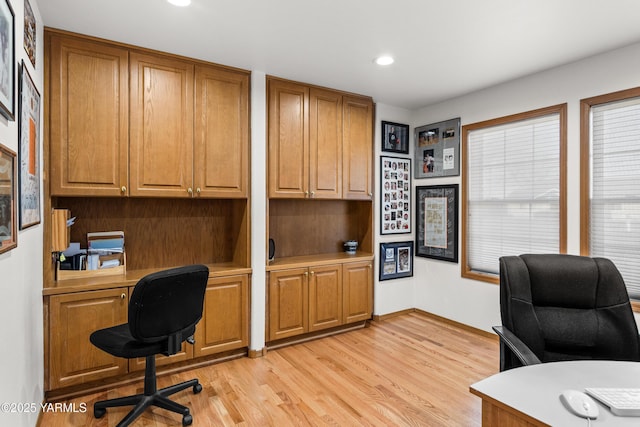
{"points": [[409, 370]]}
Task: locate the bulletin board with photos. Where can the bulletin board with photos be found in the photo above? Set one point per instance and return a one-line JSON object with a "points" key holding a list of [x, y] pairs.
{"points": [[437, 149], [395, 190]]}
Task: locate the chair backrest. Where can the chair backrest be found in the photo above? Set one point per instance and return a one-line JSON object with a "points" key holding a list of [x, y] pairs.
{"points": [[167, 303], [567, 307]]}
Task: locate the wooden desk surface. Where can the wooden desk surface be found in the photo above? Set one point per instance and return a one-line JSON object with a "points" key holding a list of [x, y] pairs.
{"points": [[532, 393]]}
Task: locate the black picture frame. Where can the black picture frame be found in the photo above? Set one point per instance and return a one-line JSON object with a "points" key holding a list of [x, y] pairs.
{"points": [[395, 195], [437, 222], [437, 149], [7, 61], [395, 137], [396, 260], [30, 32], [29, 150]]}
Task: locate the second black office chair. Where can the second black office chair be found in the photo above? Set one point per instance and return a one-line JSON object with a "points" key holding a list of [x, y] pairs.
{"points": [[163, 312], [564, 307]]}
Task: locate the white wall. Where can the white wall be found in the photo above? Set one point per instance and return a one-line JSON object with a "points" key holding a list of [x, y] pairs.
{"points": [[21, 360], [437, 286]]}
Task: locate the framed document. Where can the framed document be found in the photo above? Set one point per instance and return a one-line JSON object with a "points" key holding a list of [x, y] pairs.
{"points": [[437, 222]]}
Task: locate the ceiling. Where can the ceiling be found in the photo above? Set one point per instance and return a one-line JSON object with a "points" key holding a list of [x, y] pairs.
{"points": [[442, 49]]}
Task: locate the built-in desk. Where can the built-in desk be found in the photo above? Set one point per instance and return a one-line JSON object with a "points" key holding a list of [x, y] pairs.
{"points": [[530, 396]]}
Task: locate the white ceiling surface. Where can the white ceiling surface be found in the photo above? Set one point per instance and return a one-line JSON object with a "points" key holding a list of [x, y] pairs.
{"points": [[442, 49]]}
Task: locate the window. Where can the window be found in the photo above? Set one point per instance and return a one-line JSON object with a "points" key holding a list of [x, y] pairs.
{"points": [[514, 189], [610, 194]]}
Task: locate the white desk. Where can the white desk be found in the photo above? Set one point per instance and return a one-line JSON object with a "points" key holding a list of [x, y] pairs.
{"points": [[530, 395]]}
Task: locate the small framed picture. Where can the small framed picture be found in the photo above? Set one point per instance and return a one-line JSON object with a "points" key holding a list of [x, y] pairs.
{"points": [[395, 190], [7, 60], [437, 149], [437, 222], [29, 32], [8, 236], [395, 137], [396, 260]]}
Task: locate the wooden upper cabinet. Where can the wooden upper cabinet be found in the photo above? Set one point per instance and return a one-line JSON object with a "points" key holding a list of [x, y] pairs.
{"points": [[325, 144], [221, 138], [320, 143], [357, 148], [89, 123], [161, 121], [288, 139]]}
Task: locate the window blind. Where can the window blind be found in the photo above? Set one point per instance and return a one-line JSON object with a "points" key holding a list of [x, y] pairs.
{"points": [[614, 229], [513, 197]]}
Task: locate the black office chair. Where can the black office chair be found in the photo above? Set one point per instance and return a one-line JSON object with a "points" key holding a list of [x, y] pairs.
{"points": [[163, 312], [563, 307]]}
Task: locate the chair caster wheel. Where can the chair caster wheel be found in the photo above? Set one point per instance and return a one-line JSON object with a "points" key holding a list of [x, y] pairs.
{"points": [[99, 412], [197, 388], [187, 420]]}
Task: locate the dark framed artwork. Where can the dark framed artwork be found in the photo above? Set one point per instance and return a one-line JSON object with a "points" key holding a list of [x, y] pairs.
{"points": [[8, 236], [396, 260], [395, 190], [395, 137], [7, 60], [437, 149], [437, 222], [30, 32], [29, 150]]}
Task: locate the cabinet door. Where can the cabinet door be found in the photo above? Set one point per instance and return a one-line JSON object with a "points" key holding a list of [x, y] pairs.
{"points": [[225, 322], [358, 291], [288, 303], [358, 148], [325, 297], [89, 122], [288, 140], [161, 141], [325, 144], [73, 317], [221, 139]]}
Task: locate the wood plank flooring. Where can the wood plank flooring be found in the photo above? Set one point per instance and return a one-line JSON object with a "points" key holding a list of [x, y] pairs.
{"points": [[409, 370]]}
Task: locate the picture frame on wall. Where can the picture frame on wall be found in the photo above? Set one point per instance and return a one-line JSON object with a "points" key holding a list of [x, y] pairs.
{"points": [[395, 191], [8, 235], [437, 149], [7, 61], [395, 137], [29, 149], [29, 32], [396, 260], [437, 222]]}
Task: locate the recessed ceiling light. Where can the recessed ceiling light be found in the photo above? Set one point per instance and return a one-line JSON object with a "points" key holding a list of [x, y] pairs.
{"points": [[180, 3], [384, 60]]}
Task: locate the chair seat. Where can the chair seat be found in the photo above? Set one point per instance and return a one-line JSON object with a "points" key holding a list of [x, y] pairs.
{"points": [[118, 341]]}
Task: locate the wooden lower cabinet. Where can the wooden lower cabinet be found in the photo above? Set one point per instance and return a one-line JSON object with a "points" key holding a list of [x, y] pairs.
{"points": [[225, 321], [325, 297], [74, 361], [73, 317], [358, 291], [288, 303], [314, 298]]}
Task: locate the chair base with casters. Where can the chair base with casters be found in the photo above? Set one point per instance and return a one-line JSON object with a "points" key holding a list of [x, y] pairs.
{"points": [[164, 309], [150, 397]]}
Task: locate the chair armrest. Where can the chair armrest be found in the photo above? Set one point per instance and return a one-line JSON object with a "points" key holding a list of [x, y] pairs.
{"points": [[517, 347]]}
